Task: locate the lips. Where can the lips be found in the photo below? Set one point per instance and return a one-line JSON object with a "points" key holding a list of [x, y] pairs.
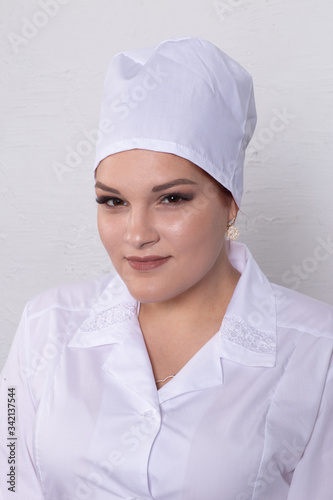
{"points": [[148, 258], [146, 263]]}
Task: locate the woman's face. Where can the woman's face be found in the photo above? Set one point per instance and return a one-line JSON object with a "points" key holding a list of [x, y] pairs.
{"points": [[161, 206]]}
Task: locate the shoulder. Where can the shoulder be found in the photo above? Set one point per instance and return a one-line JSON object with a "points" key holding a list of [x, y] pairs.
{"points": [[77, 296], [299, 312], [49, 323], [51, 319]]}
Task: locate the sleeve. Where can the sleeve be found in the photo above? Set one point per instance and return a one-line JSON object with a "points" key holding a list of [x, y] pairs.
{"points": [[313, 476], [17, 415]]}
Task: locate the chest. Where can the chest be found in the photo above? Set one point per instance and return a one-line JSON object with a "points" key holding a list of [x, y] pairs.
{"points": [[101, 436], [171, 349]]}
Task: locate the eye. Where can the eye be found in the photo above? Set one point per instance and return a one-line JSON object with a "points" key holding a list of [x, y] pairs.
{"points": [[110, 202], [175, 198], [114, 202]]}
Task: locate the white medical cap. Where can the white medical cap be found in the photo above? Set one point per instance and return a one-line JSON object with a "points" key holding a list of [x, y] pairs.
{"points": [[184, 96]]}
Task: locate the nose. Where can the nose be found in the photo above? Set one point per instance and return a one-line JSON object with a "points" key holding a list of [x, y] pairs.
{"points": [[140, 229]]}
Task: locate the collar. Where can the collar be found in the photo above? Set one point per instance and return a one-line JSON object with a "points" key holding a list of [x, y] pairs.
{"points": [[248, 331], [247, 334]]}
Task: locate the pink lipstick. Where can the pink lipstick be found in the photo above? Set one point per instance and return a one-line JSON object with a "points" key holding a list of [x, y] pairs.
{"points": [[146, 263]]}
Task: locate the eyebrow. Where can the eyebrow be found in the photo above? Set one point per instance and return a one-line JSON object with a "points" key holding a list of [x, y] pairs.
{"points": [[167, 185]]}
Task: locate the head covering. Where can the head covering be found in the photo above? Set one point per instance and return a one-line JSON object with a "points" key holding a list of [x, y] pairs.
{"points": [[184, 96]]}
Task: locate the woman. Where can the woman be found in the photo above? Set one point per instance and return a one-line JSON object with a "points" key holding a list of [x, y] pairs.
{"points": [[185, 374]]}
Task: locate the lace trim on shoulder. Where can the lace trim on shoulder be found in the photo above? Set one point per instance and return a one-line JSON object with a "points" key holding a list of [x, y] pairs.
{"points": [[236, 330], [108, 317]]}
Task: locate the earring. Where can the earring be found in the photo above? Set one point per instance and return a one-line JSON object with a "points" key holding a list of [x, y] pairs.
{"points": [[232, 231]]}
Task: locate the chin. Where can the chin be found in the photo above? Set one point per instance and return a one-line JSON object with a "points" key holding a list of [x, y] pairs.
{"points": [[146, 297], [149, 293]]}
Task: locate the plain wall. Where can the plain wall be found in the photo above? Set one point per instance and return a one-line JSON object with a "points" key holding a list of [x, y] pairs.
{"points": [[54, 56]]}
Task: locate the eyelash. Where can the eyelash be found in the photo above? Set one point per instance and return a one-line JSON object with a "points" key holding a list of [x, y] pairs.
{"points": [[102, 200]]}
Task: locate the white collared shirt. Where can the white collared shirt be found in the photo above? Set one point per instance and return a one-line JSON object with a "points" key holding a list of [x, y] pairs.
{"points": [[249, 417]]}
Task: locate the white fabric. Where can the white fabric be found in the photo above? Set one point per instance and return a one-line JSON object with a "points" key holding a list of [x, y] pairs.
{"points": [[184, 96], [248, 417]]}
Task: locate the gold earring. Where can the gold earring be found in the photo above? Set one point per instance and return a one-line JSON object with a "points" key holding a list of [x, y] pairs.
{"points": [[232, 231]]}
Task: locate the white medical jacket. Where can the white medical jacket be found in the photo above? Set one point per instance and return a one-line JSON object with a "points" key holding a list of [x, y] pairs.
{"points": [[249, 417]]}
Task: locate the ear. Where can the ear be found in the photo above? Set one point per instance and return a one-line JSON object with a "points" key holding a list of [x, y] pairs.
{"points": [[233, 210]]}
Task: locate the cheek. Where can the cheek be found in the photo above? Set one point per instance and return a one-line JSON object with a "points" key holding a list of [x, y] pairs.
{"points": [[200, 234], [101, 227], [203, 217], [108, 230]]}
